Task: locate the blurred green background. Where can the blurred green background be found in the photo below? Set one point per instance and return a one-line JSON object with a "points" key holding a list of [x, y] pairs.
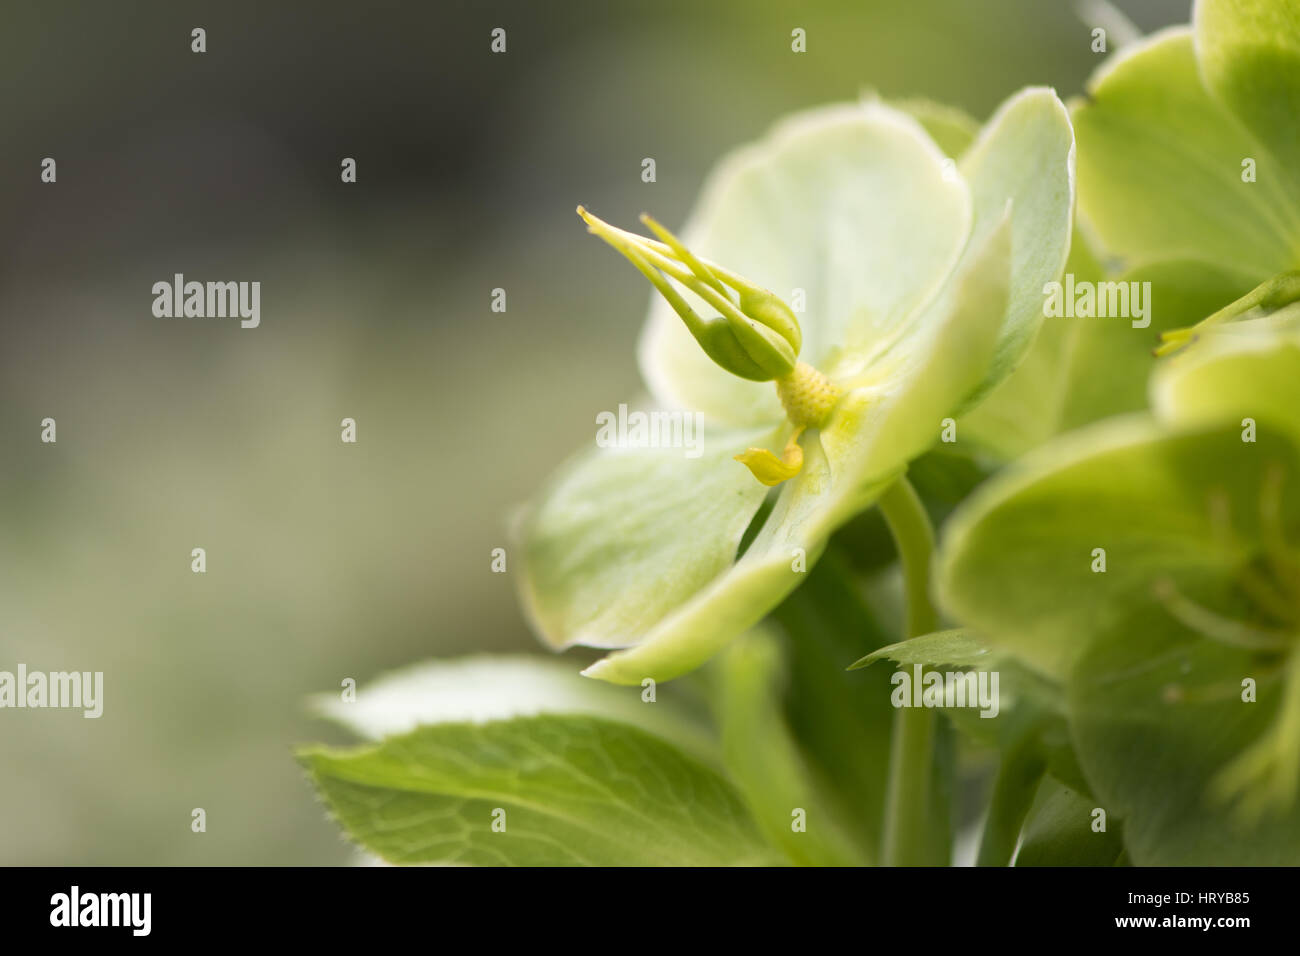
{"points": [[328, 560]]}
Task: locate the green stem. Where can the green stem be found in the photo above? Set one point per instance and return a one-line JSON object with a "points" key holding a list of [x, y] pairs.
{"points": [[914, 539], [909, 808], [1013, 794]]}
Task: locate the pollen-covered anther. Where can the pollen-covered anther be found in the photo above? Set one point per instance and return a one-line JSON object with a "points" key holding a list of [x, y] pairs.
{"points": [[807, 395]]}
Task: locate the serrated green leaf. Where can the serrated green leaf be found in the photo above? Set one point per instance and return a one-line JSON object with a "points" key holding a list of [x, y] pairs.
{"points": [[1029, 705], [487, 687], [959, 647], [1031, 708], [575, 790]]}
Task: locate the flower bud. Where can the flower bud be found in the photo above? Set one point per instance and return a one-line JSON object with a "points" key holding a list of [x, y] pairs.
{"points": [[755, 336]]}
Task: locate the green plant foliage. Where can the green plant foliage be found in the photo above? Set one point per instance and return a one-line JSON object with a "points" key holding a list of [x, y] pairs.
{"points": [[564, 791], [1118, 500]]}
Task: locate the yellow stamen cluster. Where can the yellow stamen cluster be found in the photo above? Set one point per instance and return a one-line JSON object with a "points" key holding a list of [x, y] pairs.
{"points": [[807, 395]]}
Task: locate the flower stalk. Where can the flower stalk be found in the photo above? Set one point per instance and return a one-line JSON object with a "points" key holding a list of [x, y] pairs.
{"points": [[1279, 291], [909, 805]]}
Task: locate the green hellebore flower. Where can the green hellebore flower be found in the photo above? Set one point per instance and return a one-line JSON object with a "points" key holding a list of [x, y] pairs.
{"points": [[1180, 655], [1189, 167], [922, 280]]}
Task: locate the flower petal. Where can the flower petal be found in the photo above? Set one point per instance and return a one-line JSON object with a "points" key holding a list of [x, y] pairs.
{"points": [[621, 537], [1242, 370], [1249, 51], [853, 204], [1158, 721], [1024, 157], [1160, 167], [952, 130], [895, 408], [1019, 555]]}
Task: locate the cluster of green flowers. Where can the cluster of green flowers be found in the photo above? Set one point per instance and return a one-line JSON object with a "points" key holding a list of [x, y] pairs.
{"points": [[1129, 556]]}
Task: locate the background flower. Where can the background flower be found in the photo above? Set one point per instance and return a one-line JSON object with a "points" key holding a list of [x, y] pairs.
{"points": [[1200, 532]]}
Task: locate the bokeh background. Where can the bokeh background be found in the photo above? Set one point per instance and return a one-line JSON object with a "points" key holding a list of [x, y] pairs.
{"points": [[328, 560]]}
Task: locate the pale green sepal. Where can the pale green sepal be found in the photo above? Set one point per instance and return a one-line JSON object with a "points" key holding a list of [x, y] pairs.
{"points": [[623, 536]]}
